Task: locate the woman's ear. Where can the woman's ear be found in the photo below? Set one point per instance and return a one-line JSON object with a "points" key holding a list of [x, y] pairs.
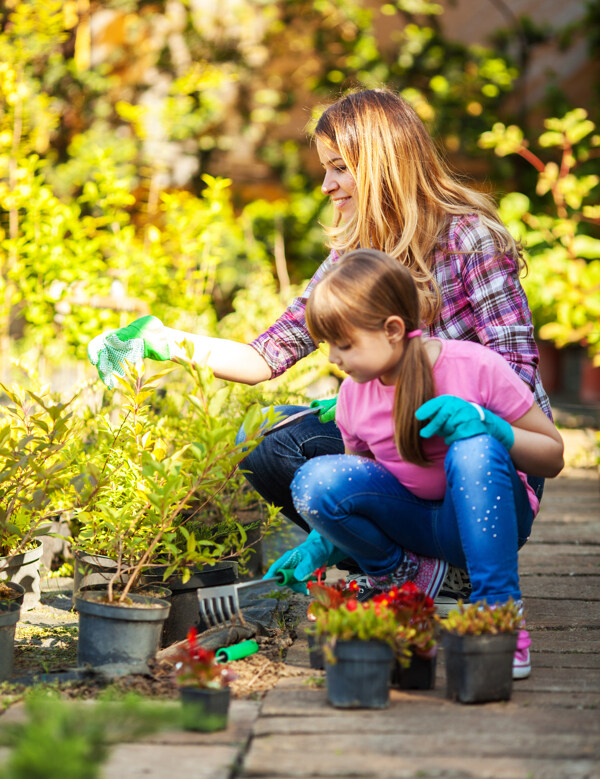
{"points": [[394, 329]]}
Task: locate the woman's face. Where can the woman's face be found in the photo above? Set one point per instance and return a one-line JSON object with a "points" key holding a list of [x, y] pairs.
{"points": [[338, 183]]}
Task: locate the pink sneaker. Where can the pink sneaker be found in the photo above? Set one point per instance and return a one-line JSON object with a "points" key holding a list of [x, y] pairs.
{"points": [[522, 658]]}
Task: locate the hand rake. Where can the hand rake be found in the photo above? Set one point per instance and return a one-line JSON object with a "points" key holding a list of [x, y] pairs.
{"points": [[220, 605]]}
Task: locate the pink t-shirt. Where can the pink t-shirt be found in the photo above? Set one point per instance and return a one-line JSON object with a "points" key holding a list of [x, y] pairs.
{"points": [[463, 368]]}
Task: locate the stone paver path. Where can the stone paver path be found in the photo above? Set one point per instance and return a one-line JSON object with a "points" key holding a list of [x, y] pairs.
{"points": [[549, 729]]}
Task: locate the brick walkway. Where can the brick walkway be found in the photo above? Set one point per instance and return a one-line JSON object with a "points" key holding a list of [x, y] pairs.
{"points": [[550, 729]]}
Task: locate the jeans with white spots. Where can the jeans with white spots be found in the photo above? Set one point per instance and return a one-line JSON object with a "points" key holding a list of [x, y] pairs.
{"points": [[482, 521]]}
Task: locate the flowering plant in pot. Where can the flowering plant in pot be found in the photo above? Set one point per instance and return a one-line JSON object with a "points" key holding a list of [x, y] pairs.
{"points": [[415, 614], [360, 641], [479, 641], [203, 685], [325, 597]]}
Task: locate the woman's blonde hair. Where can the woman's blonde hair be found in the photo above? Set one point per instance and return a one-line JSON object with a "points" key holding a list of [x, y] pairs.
{"points": [[405, 193], [360, 292]]}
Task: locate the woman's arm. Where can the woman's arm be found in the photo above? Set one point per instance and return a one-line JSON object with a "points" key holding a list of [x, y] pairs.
{"points": [[538, 448], [228, 360]]}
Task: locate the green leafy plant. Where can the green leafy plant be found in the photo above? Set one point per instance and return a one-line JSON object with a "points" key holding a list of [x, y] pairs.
{"points": [[37, 450], [477, 618], [70, 740], [196, 666], [560, 237], [143, 473]]}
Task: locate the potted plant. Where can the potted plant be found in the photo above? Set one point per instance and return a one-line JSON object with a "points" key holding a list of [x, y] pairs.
{"points": [[203, 686], [325, 597], [360, 641], [479, 643], [415, 614], [37, 449], [140, 478]]}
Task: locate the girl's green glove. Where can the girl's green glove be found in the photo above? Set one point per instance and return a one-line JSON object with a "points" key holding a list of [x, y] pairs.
{"points": [[145, 337], [327, 412]]}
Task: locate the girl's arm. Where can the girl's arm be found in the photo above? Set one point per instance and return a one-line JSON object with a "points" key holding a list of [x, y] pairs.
{"points": [[538, 447]]}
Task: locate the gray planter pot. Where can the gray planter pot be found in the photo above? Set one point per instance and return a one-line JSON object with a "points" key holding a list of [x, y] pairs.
{"points": [[92, 569], [110, 634], [10, 614], [479, 668], [24, 569]]}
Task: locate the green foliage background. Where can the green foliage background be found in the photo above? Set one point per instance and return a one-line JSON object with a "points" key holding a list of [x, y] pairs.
{"points": [[113, 198]]}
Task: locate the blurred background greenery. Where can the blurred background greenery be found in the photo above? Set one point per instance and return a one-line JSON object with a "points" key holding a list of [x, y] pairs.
{"points": [[154, 155]]}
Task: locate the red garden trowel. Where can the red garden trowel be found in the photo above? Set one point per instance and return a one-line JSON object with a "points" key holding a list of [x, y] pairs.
{"points": [[219, 605]]}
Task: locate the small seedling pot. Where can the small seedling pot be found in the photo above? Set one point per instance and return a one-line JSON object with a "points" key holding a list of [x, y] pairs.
{"points": [[360, 677], [479, 668], [205, 710], [10, 613], [418, 675], [24, 569], [111, 633]]}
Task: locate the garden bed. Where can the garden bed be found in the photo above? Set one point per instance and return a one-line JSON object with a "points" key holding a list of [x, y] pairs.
{"points": [[46, 653]]}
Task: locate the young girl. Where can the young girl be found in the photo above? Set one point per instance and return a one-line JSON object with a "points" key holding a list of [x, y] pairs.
{"points": [[438, 437], [389, 190]]}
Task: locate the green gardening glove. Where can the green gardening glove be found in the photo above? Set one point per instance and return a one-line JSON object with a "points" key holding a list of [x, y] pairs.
{"points": [[327, 412], [145, 337]]}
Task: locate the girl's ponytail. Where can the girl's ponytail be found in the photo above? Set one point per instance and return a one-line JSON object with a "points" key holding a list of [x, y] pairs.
{"points": [[414, 386]]}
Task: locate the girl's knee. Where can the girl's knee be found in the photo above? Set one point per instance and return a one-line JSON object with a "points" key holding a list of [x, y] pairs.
{"points": [[478, 456], [320, 484]]}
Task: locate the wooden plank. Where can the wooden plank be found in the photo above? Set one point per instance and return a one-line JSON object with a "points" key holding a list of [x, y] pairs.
{"points": [[584, 532], [572, 588], [552, 613], [373, 755]]}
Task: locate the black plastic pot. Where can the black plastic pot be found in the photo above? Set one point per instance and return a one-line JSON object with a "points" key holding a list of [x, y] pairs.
{"points": [[205, 710], [110, 633], [315, 651], [9, 616], [184, 599], [24, 569], [479, 668], [418, 675], [361, 676]]}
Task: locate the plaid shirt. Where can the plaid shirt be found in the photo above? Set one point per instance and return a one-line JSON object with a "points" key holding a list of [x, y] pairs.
{"points": [[482, 300]]}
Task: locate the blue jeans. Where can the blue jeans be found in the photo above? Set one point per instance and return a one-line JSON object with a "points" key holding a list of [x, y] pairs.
{"points": [[482, 521], [270, 467]]}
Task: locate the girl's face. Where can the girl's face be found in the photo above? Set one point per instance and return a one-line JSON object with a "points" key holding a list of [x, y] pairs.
{"points": [[369, 354], [338, 183]]}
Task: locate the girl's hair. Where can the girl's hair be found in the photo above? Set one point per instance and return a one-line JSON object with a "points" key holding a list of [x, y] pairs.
{"points": [[406, 194], [360, 292]]}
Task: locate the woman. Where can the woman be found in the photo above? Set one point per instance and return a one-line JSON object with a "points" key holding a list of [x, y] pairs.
{"points": [[390, 190]]}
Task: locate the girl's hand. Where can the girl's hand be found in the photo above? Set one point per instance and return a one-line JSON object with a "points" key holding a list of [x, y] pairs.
{"points": [[453, 418]]}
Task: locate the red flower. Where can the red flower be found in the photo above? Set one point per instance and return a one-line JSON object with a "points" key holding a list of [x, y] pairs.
{"points": [[352, 605]]}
